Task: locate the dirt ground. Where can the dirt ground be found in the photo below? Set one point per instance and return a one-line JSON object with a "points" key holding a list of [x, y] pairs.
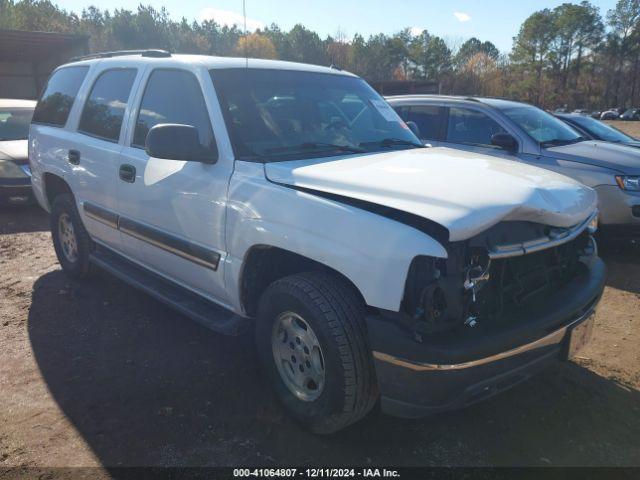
{"points": [[97, 374], [630, 128]]}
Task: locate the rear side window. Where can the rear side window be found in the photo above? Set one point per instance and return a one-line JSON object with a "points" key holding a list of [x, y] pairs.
{"points": [[173, 96], [55, 103], [104, 109], [471, 127], [428, 118]]}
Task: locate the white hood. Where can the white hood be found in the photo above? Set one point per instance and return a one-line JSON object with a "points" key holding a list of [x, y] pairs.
{"points": [[465, 192], [14, 150]]}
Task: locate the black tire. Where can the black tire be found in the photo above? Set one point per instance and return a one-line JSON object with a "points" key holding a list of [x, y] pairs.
{"points": [[335, 313], [80, 267]]}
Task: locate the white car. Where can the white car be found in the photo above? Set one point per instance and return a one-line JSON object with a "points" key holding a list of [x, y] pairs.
{"points": [[15, 177], [293, 200]]}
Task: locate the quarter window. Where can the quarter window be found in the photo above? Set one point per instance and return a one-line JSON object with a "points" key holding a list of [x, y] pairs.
{"points": [[57, 99], [173, 96], [471, 127], [104, 109]]}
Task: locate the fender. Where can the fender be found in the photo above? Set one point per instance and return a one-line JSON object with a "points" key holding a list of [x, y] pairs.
{"points": [[372, 251]]}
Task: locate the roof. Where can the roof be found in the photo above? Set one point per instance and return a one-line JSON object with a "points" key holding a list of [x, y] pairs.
{"points": [[501, 103], [18, 45], [15, 103], [494, 102], [571, 115], [212, 62]]}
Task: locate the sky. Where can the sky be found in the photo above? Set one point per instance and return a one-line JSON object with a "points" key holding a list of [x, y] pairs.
{"points": [[456, 20]]}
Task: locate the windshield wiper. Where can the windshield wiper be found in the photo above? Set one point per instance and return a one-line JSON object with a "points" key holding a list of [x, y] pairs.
{"points": [[557, 142], [316, 146], [388, 142]]}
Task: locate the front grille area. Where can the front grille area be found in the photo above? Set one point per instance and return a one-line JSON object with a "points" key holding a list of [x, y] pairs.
{"points": [[516, 281], [438, 296]]}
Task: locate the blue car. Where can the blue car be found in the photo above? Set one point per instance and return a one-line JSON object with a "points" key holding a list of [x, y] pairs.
{"points": [[596, 130]]}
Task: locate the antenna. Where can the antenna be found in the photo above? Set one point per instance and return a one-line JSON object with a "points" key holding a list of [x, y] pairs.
{"points": [[244, 17]]}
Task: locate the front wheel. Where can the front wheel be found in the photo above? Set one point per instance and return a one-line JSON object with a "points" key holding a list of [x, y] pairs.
{"points": [[312, 342]]}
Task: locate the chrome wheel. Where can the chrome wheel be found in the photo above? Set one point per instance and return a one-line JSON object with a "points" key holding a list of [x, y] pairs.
{"points": [[67, 237], [298, 356]]}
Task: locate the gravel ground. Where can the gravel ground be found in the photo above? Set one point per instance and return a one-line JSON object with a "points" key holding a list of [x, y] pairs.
{"points": [[97, 374]]}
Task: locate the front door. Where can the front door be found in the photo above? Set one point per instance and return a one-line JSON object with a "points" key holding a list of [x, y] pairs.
{"points": [[172, 212], [471, 130]]}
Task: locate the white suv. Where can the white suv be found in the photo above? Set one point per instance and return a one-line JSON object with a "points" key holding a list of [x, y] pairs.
{"points": [[291, 199]]}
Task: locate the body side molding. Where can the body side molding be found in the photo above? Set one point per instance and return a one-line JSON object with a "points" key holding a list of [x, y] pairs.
{"points": [[178, 246]]}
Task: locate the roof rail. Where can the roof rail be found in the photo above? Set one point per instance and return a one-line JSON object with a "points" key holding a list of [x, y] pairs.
{"points": [[119, 53]]}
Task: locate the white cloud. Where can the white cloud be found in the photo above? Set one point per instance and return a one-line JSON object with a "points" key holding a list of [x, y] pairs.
{"points": [[229, 18], [416, 31], [462, 17]]}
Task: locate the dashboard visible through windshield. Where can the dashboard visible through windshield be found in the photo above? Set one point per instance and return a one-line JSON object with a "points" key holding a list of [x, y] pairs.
{"points": [[275, 115]]}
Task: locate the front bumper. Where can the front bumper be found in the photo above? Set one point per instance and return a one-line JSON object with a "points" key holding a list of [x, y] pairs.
{"points": [[16, 191], [417, 379], [15, 183], [619, 210]]}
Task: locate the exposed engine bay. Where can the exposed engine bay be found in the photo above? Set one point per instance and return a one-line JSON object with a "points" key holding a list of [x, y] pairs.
{"points": [[490, 275]]}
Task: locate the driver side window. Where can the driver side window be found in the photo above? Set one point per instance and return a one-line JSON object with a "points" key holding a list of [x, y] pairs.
{"points": [[471, 127], [173, 96]]}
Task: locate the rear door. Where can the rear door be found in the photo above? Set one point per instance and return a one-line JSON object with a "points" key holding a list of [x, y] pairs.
{"points": [[96, 150], [430, 119], [172, 212]]}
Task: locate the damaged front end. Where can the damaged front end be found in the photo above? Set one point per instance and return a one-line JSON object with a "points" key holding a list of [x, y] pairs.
{"points": [[487, 278]]}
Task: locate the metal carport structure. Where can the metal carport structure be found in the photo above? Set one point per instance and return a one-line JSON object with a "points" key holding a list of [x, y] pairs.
{"points": [[27, 58]]}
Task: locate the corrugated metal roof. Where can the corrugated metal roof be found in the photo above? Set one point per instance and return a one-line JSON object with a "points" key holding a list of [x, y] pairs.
{"points": [[17, 45]]}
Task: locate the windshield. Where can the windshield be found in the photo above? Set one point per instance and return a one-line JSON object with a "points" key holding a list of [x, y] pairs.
{"points": [[544, 128], [277, 115], [14, 123], [601, 130]]}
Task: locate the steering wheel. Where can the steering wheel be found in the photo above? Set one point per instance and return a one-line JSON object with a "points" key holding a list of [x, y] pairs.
{"points": [[336, 124]]}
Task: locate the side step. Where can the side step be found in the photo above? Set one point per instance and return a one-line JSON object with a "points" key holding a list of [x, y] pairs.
{"points": [[188, 303]]}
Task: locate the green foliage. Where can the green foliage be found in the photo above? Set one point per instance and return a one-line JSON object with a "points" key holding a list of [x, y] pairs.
{"points": [[565, 55]]}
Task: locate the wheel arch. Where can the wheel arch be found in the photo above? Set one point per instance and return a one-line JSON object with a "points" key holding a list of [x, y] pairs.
{"points": [[264, 264], [54, 185]]}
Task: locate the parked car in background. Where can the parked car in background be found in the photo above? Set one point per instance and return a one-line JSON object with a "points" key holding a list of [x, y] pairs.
{"points": [[596, 114], [524, 133], [611, 114], [580, 111], [632, 114], [292, 198], [15, 175], [597, 130]]}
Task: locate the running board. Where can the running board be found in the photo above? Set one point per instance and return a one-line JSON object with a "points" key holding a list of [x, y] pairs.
{"points": [[184, 301]]}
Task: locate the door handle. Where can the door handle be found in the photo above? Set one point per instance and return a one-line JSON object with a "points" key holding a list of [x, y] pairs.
{"points": [[127, 173], [74, 157]]}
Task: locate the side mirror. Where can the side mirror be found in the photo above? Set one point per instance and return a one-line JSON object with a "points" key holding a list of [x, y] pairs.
{"points": [[178, 142], [504, 141], [413, 126]]}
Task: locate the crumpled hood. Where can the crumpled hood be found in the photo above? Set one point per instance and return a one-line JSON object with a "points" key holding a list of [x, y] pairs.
{"points": [[14, 150], [621, 158], [465, 192]]}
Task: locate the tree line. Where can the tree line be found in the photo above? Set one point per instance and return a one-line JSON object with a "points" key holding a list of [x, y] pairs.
{"points": [[571, 55]]}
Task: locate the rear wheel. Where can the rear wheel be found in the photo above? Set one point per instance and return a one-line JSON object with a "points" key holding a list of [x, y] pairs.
{"points": [[312, 342], [70, 239]]}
